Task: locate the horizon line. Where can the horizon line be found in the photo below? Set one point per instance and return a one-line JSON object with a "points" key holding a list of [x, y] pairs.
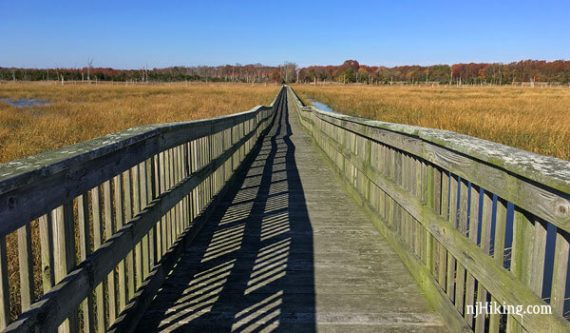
{"points": [[237, 64]]}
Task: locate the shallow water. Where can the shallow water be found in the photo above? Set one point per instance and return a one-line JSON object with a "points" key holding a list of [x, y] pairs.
{"points": [[322, 106], [24, 102]]}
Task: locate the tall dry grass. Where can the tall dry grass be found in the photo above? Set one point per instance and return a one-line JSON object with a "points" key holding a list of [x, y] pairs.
{"points": [[533, 119], [80, 112]]}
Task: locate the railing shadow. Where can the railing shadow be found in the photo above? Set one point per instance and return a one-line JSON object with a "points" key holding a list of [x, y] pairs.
{"points": [[251, 268]]}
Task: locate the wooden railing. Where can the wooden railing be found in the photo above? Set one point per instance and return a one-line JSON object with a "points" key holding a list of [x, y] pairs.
{"points": [[96, 226], [474, 221]]}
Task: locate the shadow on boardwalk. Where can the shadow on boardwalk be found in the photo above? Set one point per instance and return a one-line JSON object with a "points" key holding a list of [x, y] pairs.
{"points": [[251, 268]]}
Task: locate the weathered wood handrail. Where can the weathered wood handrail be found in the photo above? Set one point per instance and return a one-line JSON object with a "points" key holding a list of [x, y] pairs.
{"points": [[126, 198], [473, 220]]}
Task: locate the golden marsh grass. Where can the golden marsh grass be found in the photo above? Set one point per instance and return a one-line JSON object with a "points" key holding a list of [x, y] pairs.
{"points": [[533, 119], [77, 113]]}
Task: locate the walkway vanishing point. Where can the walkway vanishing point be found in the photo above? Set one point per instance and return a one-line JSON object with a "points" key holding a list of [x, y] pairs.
{"points": [[285, 218]]}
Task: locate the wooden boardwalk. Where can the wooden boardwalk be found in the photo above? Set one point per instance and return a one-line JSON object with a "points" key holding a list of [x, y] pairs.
{"points": [[288, 250], [131, 235]]}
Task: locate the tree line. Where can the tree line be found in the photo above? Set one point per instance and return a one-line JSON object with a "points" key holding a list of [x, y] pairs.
{"points": [[472, 73], [228, 73], [349, 72]]}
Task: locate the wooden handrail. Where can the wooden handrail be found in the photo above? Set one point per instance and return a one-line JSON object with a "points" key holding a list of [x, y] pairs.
{"points": [[474, 221], [131, 195], [67, 172]]}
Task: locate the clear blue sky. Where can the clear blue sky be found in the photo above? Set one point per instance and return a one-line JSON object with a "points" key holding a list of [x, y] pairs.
{"points": [[133, 34]]}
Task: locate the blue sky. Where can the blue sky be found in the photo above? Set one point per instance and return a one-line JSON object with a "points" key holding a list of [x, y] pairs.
{"points": [[133, 34]]}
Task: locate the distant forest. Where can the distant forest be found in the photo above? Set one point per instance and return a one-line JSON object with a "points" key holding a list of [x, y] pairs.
{"points": [[526, 71]]}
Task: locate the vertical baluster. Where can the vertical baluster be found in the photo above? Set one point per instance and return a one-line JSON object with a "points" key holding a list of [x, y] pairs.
{"points": [[499, 253], [463, 215], [171, 216], [521, 262], [221, 171], [187, 173], [538, 258], [428, 192], [155, 193], [150, 196], [119, 218], [444, 212], [163, 178], [143, 203], [175, 209], [435, 194], [559, 278], [190, 167], [237, 154], [64, 256], [109, 230], [216, 179], [451, 262], [184, 174], [4, 286], [135, 183], [210, 158], [419, 190], [87, 305], [485, 244], [201, 164], [26, 269], [206, 182], [100, 290], [128, 215], [170, 213], [179, 217], [183, 201], [473, 232], [500, 232], [194, 167], [46, 247], [406, 173], [247, 146], [236, 158]]}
